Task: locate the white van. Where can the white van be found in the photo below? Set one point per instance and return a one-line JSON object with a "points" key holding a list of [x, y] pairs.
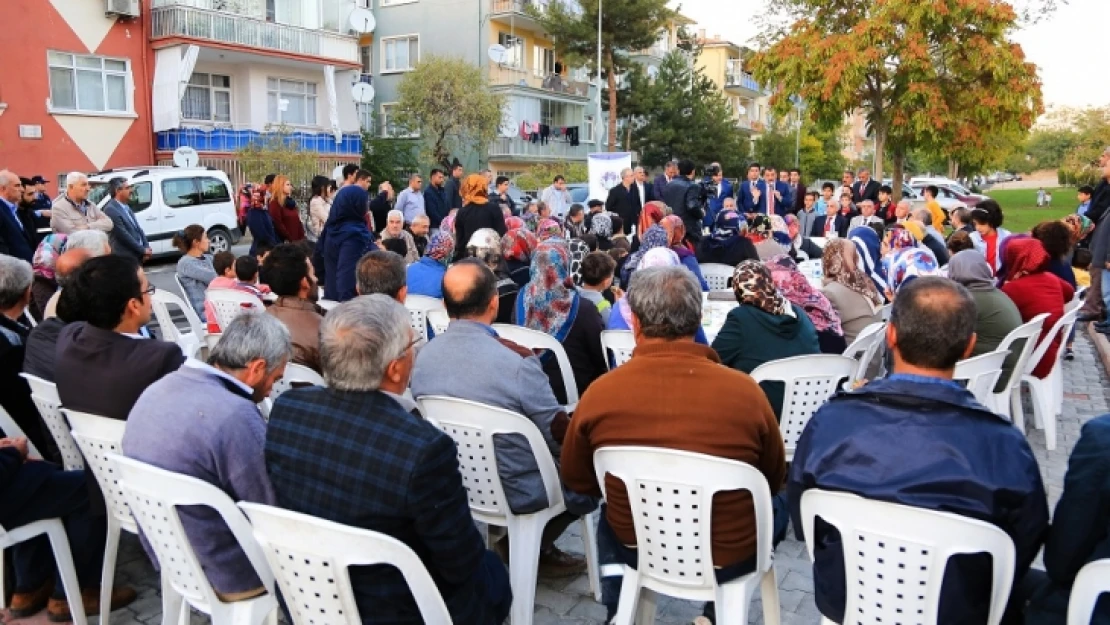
{"points": [[168, 199]]}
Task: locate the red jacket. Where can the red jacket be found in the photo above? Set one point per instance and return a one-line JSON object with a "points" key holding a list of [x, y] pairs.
{"points": [[1038, 293], [287, 220]]}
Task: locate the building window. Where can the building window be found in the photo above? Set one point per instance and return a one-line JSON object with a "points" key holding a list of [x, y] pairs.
{"points": [[365, 56], [514, 46], [400, 54], [207, 98], [290, 102], [365, 117], [588, 129], [88, 83], [389, 125], [543, 61]]}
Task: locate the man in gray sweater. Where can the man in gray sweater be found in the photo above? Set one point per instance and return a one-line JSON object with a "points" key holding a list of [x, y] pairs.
{"points": [[203, 421]]}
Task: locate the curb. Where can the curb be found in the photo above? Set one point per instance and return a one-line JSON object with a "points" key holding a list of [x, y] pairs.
{"points": [[1102, 346]]}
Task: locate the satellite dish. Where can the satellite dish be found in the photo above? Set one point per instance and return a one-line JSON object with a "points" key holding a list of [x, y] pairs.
{"points": [[498, 53], [362, 21], [185, 156], [362, 93]]}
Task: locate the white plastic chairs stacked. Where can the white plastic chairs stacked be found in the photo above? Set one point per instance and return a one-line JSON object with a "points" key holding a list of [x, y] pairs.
{"points": [[1007, 402], [153, 496], [1093, 580], [671, 495], [1048, 393], [617, 345], [310, 556], [538, 340], [809, 381], [190, 342], [98, 437], [717, 275], [865, 348], [981, 374], [472, 426], [295, 376], [418, 307], [45, 396], [228, 304], [895, 555]]}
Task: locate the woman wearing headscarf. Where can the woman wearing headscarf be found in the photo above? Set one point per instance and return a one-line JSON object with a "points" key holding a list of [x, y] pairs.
{"points": [[996, 314], [549, 229], [764, 327], [1035, 290], [621, 316], [425, 276], [448, 224], [578, 250], [601, 226], [517, 247], [512, 222], [656, 236], [549, 303], [345, 239], [727, 245], [676, 240], [652, 214], [869, 256], [531, 222], [906, 265], [1081, 228], [761, 234], [799, 243], [477, 211], [850, 291], [797, 289], [43, 264]]}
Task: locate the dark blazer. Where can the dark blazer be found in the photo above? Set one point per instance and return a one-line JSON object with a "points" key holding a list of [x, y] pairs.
{"points": [[15, 238], [682, 197], [452, 187], [16, 396], [868, 192], [436, 204], [624, 202], [41, 348], [127, 236], [359, 459], [799, 197], [379, 208], [780, 204], [744, 200], [21, 482], [659, 185]]}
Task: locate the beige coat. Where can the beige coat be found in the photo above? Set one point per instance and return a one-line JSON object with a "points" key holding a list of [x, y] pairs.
{"points": [[66, 218], [856, 311]]}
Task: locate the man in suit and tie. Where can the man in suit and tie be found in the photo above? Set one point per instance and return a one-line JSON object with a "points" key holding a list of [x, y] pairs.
{"points": [[621, 200], [714, 174], [770, 194], [670, 172], [865, 188], [16, 238], [747, 196], [127, 235], [797, 190]]}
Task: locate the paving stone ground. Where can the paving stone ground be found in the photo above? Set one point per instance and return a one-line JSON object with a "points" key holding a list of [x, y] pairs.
{"points": [[569, 601]]}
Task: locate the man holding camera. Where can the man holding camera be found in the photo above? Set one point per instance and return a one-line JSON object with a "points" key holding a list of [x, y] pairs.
{"points": [[683, 197]]}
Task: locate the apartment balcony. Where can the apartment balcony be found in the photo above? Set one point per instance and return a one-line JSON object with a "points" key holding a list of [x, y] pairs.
{"points": [[228, 138], [244, 23], [508, 79], [740, 81], [518, 13], [517, 149], [657, 52]]}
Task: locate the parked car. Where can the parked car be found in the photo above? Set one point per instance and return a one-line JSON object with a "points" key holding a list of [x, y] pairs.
{"points": [[579, 192], [917, 200], [520, 198], [167, 199], [954, 192]]}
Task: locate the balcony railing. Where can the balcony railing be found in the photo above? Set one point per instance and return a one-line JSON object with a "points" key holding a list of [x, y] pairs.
{"points": [[559, 149], [176, 20], [526, 78], [736, 77], [657, 51], [521, 6]]}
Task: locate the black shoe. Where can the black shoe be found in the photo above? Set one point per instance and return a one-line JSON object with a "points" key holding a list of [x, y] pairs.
{"points": [[1069, 354]]}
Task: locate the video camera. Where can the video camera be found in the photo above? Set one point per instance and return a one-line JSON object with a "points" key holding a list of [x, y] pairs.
{"points": [[707, 185]]}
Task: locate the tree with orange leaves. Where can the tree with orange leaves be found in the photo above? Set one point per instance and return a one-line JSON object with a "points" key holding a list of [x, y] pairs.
{"points": [[941, 75]]}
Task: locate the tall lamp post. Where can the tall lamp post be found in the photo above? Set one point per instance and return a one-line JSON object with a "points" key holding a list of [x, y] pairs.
{"points": [[597, 122]]}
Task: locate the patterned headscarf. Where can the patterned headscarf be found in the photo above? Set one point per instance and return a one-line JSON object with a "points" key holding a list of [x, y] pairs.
{"points": [[916, 229], [1022, 257], [655, 236], [838, 268], [792, 284], [655, 257], [793, 228], [908, 264], [512, 222], [652, 214], [46, 255], [899, 239], [578, 250], [440, 247], [531, 221], [1079, 226], [601, 226], [778, 224], [726, 230], [518, 245], [549, 229], [754, 286], [759, 228], [869, 255], [474, 189], [448, 224], [676, 230], [549, 301]]}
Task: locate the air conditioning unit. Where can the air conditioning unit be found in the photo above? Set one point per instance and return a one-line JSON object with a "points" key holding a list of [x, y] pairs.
{"points": [[122, 8]]}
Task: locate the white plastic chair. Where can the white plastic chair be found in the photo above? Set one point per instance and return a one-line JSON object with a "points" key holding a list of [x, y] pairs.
{"points": [[418, 307], [886, 310], [1093, 580], [327, 304], [981, 374], [674, 551], [717, 275], [1048, 393], [63, 559], [11, 429], [298, 375], [533, 340], [618, 345], [439, 321], [812, 269], [809, 382], [45, 396], [310, 556], [895, 555], [472, 426], [1007, 402], [153, 496], [864, 349], [190, 342], [228, 304], [98, 437]]}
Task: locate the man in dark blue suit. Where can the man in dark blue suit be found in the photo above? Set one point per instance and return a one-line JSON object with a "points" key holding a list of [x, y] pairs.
{"points": [[745, 195], [715, 175], [15, 238], [770, 194], [127, 235]]}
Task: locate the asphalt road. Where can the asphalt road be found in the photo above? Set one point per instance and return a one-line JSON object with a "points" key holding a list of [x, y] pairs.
{"points": [[160, 272]]}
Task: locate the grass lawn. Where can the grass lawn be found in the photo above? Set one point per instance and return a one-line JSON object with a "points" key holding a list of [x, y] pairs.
{"points": [[1020, 206]]}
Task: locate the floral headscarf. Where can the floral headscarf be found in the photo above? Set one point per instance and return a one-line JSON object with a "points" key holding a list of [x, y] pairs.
{"points": [[601, 226], [531, 221], [518, 245], [474, 188], [448, 224], [46, 255], [869, 255], [1023, 257], [578, 251], [837, 268], [793, 228], [778, 224], [440, 247], [899, 239], [1079, 226], [908, 264], [754, 286], [792, 284], [676, 230], [655, 236], [916, 229], [549, 229], [759, 228], [512, 222], [549, 302], [652, 214], [655, 257]]}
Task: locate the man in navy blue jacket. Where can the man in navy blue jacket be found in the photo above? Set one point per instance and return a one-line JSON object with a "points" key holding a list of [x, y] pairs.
{"points": [[772, 196], [919, 439], [746, 196], [16, 239]]}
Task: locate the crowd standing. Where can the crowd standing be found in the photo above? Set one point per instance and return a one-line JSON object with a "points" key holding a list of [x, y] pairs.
{"points": [[632, 261]]}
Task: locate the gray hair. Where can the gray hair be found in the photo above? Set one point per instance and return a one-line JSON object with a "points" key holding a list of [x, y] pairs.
{"points": [[627, 171], [923, 215], [421, 218], [95, 241], [15, 279], [905, 203], [395, 213], [252, 336], [666, 301], [74, 177], [7, 178], [358, 340], [639, 170]]}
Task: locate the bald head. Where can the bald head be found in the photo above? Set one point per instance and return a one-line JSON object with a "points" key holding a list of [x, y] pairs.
{"points": [[470, 292], [68, 262]]}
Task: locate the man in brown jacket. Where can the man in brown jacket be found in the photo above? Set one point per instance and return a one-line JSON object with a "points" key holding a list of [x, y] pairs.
{"points": [[289, 274], [73, 211], [675, 394]]}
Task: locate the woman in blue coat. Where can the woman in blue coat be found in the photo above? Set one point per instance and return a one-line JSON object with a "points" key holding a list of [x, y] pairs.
{"points": [[346, 237]]}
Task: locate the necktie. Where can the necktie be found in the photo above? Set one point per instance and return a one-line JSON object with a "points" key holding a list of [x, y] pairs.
{"points": [[770, 201]]}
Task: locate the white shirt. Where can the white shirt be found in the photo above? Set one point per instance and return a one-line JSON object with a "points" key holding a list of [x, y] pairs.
{"points": [[640, 190], [193, 363], [558, 201]]}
